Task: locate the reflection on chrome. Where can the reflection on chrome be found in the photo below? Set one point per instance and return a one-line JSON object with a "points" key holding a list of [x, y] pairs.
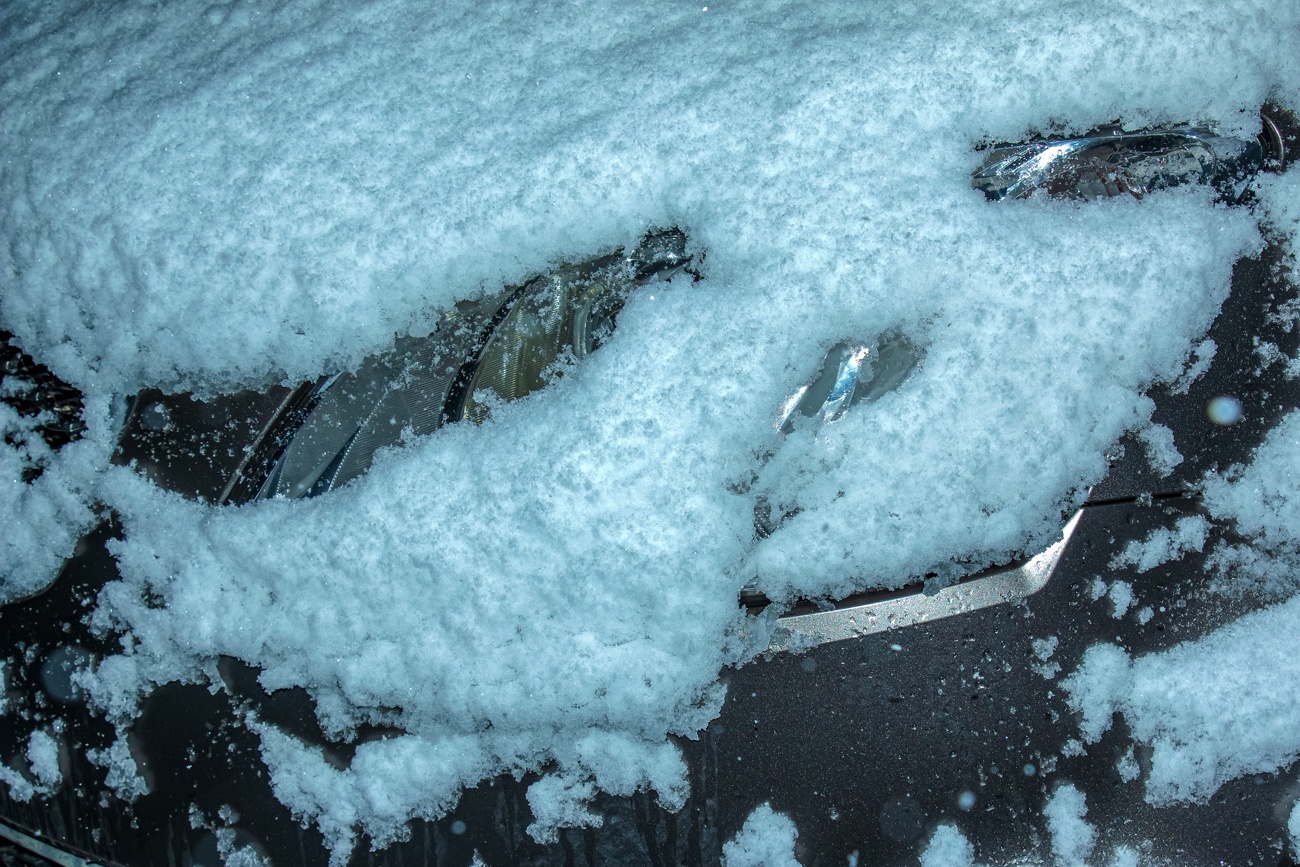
{"points": [[851, 374], [871, 613], [1111, 162], [497, 349]]}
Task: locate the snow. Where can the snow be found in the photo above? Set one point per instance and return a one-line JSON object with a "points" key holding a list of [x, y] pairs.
{"points": [[1210, 708], [948, 847], [44, 518], [1204, 357], [1163, 545], [20, 788], [44, 774], [267, 194], [43, 754], [1125, 856], [766, 840], [1127, 767], [1121, 597], [1293, 827], [1072, 837], [1043, 649], [1161, 451], [1262, 503]]}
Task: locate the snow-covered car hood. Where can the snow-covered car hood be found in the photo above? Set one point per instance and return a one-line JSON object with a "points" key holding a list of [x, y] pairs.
{"points": [[247, 196]]}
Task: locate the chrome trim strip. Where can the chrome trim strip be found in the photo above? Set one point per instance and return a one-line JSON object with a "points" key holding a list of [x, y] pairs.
{"points": [[801, 631]]}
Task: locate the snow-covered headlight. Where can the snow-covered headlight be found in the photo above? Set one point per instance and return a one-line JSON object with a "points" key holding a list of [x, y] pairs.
{"points": [[565, 314], [500, 348]]}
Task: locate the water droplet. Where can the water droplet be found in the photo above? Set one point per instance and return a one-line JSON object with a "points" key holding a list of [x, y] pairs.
{"points": [[1224, 409]]}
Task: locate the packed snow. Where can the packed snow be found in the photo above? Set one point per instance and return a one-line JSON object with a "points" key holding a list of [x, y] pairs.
{"points": [[260, 194]]}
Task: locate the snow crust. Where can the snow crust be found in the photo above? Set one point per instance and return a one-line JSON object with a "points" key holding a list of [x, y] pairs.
{"points": [[262, 194], [766, 840]]}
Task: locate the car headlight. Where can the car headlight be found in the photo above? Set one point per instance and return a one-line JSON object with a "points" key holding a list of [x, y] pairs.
{"points": [[496, 349], [1111, 162]]}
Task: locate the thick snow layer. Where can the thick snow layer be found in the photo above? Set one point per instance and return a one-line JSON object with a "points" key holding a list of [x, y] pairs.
{"points": [[272, 172], [766, 840], [267, 193]]}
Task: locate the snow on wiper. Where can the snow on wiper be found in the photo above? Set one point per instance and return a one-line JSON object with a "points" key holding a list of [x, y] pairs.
{"points": [[1111, 162]]}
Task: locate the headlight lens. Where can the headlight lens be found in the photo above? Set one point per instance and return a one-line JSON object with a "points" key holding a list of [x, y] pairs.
{"points": [[498, 349], [1111, 162], [567, 314]]}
